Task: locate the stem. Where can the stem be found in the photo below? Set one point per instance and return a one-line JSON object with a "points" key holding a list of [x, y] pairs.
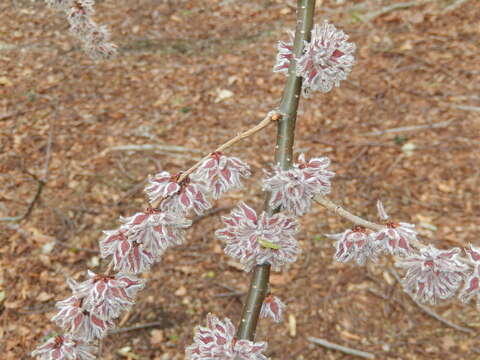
{"points": [[283, 156]]}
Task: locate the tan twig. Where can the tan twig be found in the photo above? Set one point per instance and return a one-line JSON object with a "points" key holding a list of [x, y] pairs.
{"points": [[271, 117], [386, 9], [410, 128], [453, 6], [430, 312], [159, 324], [31, 204], [344, 349]]}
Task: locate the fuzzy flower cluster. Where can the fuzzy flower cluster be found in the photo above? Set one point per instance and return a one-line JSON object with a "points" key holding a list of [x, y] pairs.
{"points": [[138, 243], [259, 239], [217, 341], [273, 308], [89, 312], [433, 274], [293, 189], [215, 176], [95, 38], [65, 347], [326, 59]]}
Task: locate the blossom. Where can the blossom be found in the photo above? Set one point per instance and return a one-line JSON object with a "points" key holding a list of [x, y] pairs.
{"points": [[294, 188], [107, 296], [221, 173], [64, 347], [128, 255], [191, 196], [81, 323], [162, 185], [433, 274], [95, 38], [156, 230], [142, 239], [326, 59], [217, 341], [272, 307], [395, 238], [472, 283], [285, 53], [355, 244], [254, 239]]}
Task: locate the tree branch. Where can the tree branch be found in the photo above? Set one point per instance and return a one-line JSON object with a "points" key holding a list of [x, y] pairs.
{"points": [[283, 156]]}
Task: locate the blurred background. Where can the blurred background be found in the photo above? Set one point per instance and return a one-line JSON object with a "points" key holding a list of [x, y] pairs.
{"points": [[78, 139]]}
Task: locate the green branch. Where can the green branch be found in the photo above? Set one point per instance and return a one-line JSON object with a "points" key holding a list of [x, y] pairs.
{"points": [[283, 156]]}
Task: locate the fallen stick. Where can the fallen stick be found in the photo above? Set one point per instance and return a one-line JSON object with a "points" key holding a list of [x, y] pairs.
{"points": [[344, 349]]}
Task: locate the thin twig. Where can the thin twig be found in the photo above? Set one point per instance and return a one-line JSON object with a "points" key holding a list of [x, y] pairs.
{"points": [[31, 204], [410, 128], [465, 107], [344, 349], [453, 6], [430, 312], [386, 9], [210, 212], [159, 324], [272, 116]]}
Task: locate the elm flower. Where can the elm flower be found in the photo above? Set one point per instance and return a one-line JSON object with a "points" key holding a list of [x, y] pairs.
{"points": [[433, 274], [191, 196], [217, 341], [293, 189], [162, 185], [253, 239], [395, 238], [285, 53], [472, 283], [95, 39], [326, 59], [128, 256], [81, 323], [107, 296], [156, 230], [355, 244], [272, 307], [221, 173], [64, 347]]}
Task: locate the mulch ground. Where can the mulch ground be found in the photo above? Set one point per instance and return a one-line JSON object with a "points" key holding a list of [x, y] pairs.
{"points": [[403, 128]]}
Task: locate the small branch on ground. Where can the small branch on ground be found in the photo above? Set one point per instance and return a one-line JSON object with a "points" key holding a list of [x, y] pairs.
{"points": [[31, 204], [410, 128], [344, 349]]}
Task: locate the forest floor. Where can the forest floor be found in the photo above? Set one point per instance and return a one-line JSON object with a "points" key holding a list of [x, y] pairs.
{"points": [[403, 128]]}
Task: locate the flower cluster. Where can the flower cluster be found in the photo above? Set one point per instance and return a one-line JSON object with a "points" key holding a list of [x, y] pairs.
{"points": [[433, 274], [294, 188], [355, 244], [217, 341], [259, 239], [326, 59], [95, 39], [273, 308], [142, 239], [221, 173], [64, 347], [138, 243]]}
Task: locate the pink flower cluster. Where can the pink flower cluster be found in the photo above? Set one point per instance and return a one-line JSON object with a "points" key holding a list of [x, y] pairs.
{"points": [[294, 188], [259, 239], [64, 347], [89, 313], [326, 59], [138, 243], [217, 341], [95, 39], [433, 274], [273, 308]]}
